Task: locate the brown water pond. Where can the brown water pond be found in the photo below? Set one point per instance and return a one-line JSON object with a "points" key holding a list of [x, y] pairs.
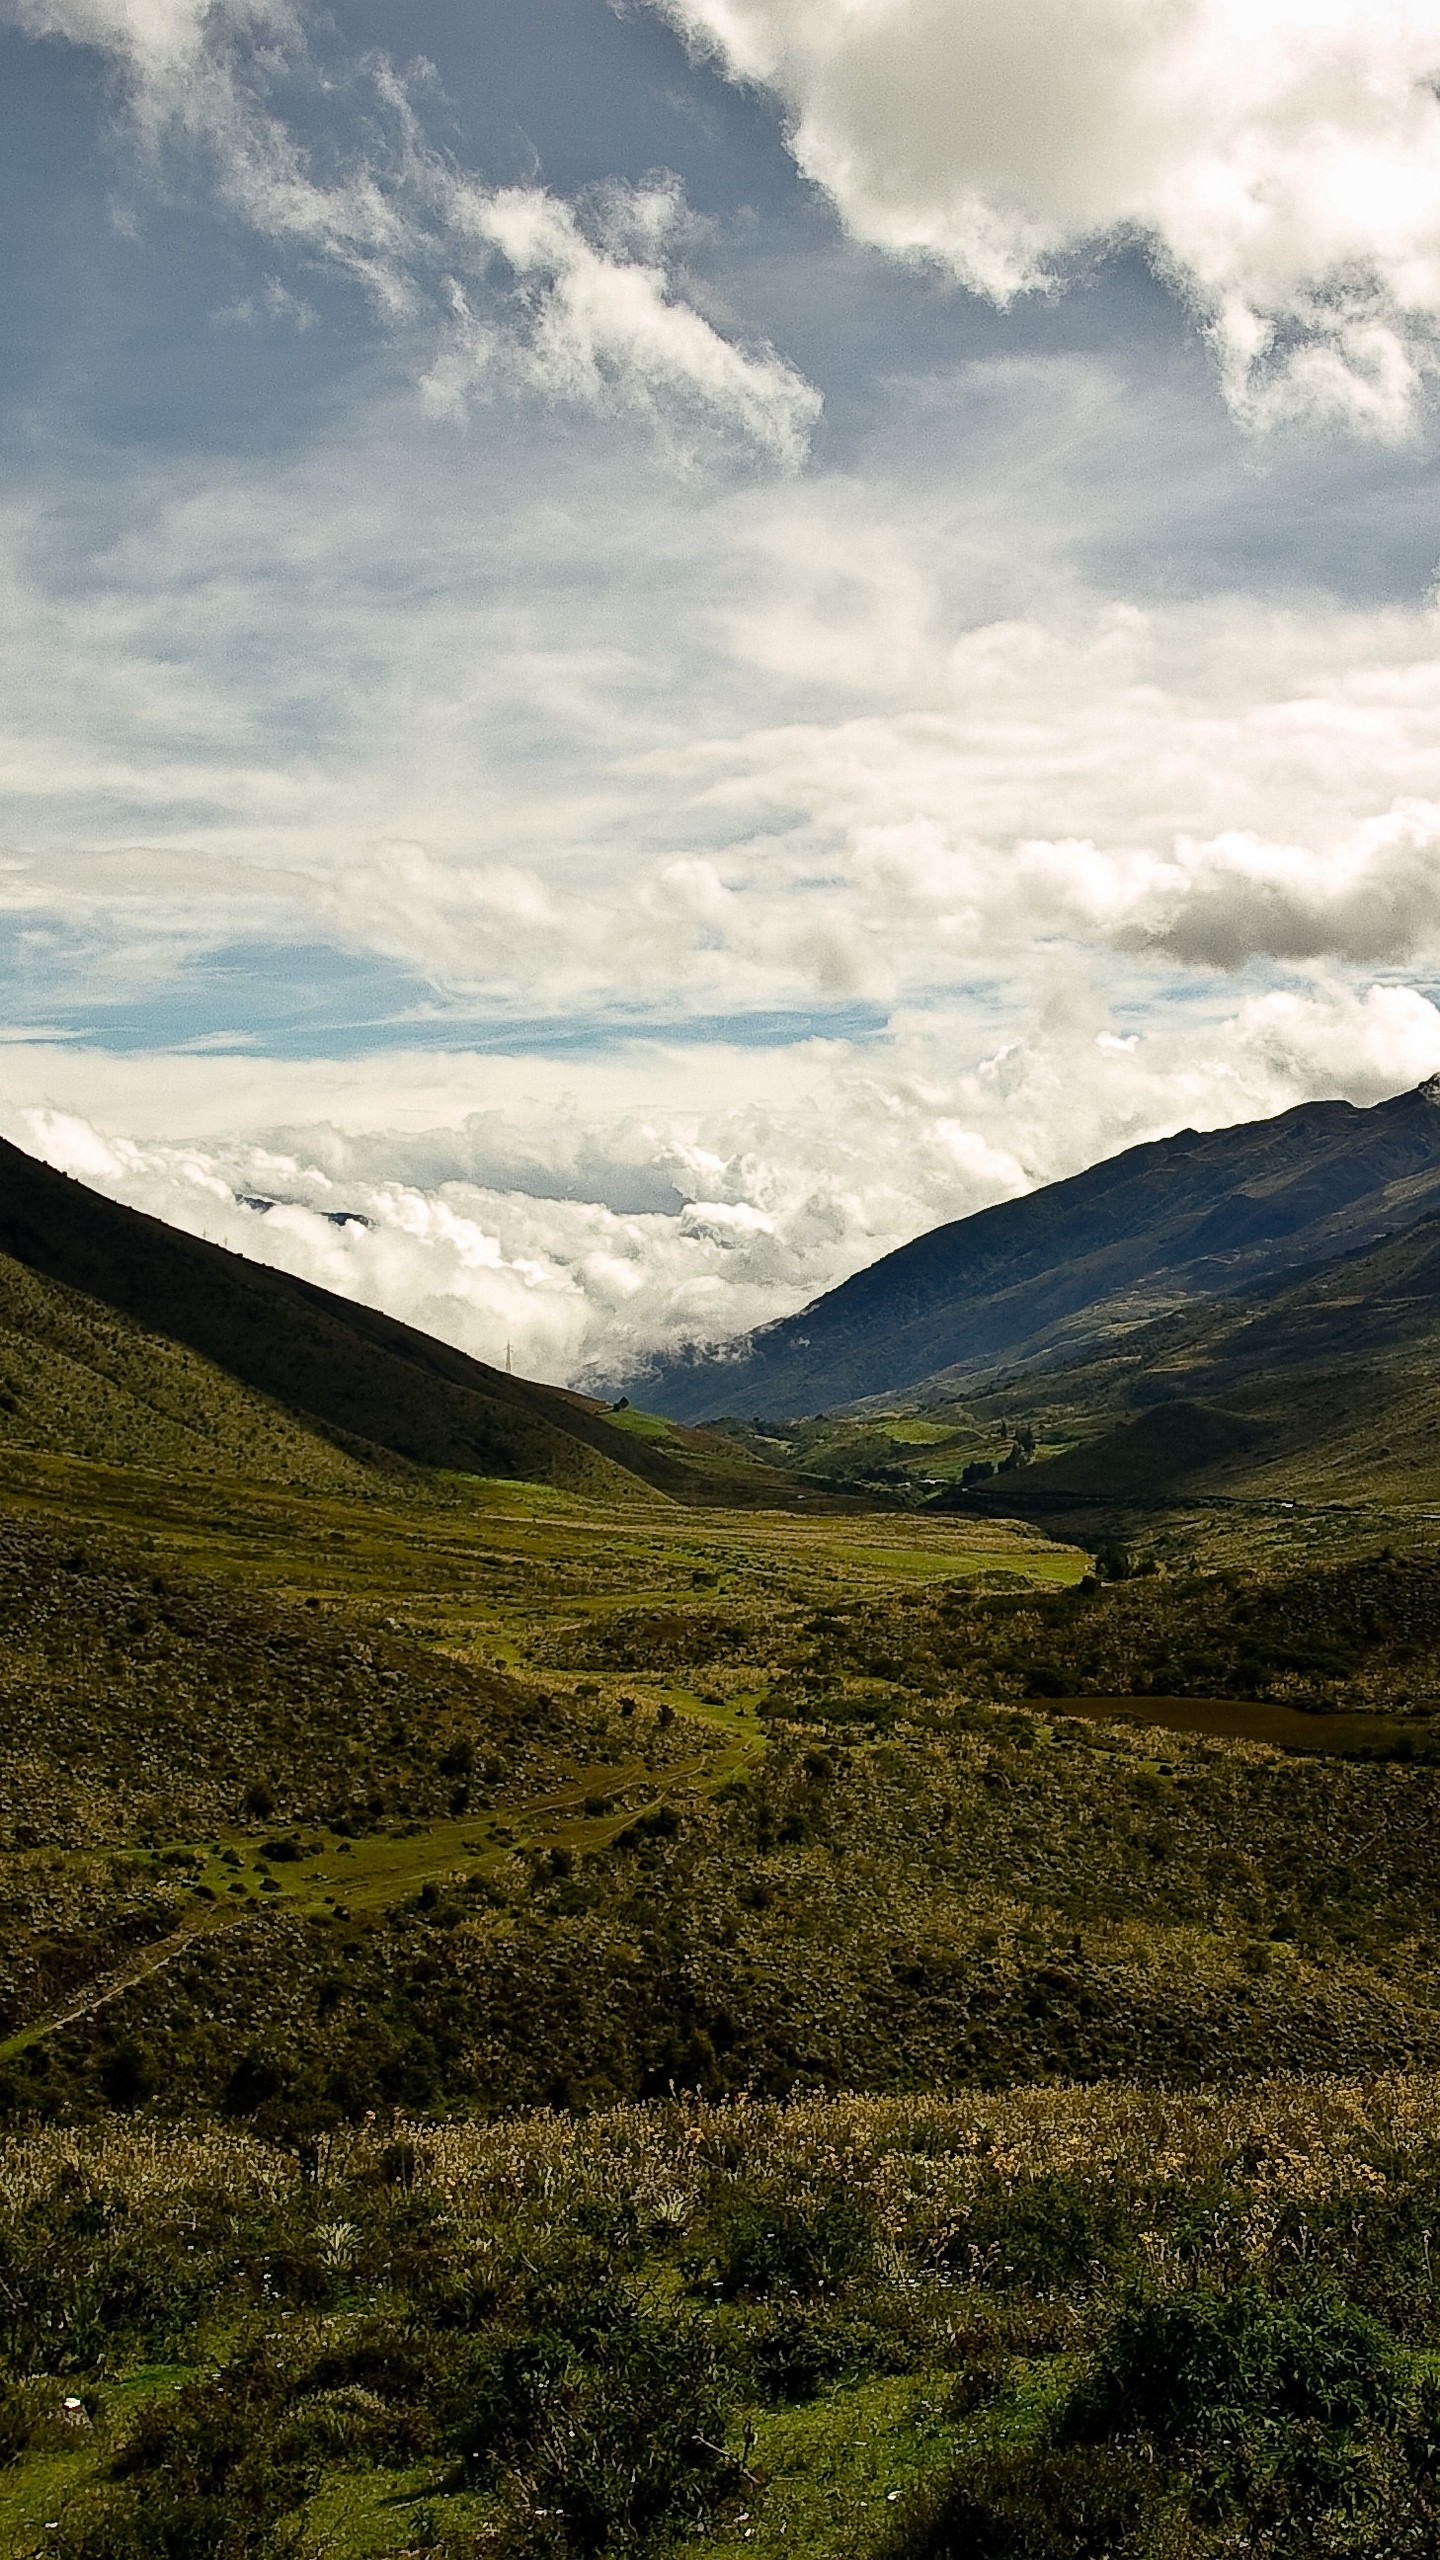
{"points": [[1254, 1720]]}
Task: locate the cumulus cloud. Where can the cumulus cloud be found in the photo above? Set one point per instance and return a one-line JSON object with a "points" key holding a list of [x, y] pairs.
{"points": [[682, 1200], [1376, 899], [1370, 899], [1282, 158], [512, 286]]}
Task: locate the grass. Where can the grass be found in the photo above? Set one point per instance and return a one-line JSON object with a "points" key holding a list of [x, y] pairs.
{"points": [[35, 2490], [377, 1845], [586, 1804], [444, 1921], [481, 1703], [991, 2253], [830, 2474]]}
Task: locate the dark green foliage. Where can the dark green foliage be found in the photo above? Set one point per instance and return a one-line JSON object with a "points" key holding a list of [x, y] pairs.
{"points": [[1206, 2367], [208, 2475], [1143, 2338], [1211, 2421], [760, 2242], [1047, 2235], [125, 1708], [1053, 2502], [630, 2438]]}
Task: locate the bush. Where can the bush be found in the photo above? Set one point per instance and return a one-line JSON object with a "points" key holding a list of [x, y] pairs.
{"points": [[1291, 2421], [633, 2441], [757, 2241], [200, 2477], [1050, 2233]]}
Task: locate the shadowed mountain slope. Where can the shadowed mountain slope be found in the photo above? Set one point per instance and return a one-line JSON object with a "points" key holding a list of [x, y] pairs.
{"points": [[1196, 1216], [125, 1339], [1325, 1386]]}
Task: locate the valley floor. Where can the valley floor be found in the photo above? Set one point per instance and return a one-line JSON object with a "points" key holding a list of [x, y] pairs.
{"points": [[440, 1932]]}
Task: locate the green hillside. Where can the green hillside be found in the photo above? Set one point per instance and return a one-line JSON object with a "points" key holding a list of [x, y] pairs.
{"points": [[124, 1339], [79, 1378], [1324, 1389]]}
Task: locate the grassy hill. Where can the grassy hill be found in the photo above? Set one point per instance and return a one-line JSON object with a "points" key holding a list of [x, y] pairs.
{"points": [[1158, 1227], [1324, 1388], [554, 1804], [122, 1338]]}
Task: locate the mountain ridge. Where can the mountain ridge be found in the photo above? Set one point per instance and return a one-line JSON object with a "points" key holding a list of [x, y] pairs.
{"points": [[1196, 1216]]}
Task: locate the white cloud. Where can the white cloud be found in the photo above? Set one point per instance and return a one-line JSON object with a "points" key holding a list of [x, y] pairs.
{"points": [[1282, 156], [1376, 899], [582, 304], [568, 736], [667, 1198], [622, 746], [148, 33], [605, 326], [642, 757]]}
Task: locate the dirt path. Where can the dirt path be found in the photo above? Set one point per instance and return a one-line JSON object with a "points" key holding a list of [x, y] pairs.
{"points": [[108, 1986]]}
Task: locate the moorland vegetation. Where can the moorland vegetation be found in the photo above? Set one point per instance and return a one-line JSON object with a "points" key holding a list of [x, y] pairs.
{"points": [[626, 2008]]}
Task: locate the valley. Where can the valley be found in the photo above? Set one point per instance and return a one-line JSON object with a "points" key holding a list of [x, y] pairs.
{"points": [[828, 1995]]}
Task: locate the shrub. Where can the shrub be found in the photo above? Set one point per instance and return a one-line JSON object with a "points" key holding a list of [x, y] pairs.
{"points": [[759, 2241], [632, 2442], [1292, 2422]]}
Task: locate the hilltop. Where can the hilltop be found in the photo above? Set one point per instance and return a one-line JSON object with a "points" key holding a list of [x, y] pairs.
{"points": [[1186, 1219]]}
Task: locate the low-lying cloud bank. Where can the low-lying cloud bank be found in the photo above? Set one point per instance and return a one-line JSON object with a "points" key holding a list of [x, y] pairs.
{"points": [[581, 1245]]}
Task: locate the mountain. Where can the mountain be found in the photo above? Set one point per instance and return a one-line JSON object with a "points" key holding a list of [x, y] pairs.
{"points": [[126, 1340], [1322, 1387], [1197, 1216]]}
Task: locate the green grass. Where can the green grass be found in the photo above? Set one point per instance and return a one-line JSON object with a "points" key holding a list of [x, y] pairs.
{"points": [[36, 2489], [984, 2264], [829, 2475]]}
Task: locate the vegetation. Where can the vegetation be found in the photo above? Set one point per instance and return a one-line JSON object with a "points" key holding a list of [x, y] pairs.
{"points": [[446, 1918], [1046, 2322]]}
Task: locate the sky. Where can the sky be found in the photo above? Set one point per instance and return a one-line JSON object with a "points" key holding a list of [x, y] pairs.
{"points": [[648, 645]]}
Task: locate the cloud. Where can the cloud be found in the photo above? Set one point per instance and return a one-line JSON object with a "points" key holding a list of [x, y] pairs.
{"points": [[678, 1199], [1281, 158], [603, 325], [149, 34], [1376, 900], [508, 287], [578, 739]]}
